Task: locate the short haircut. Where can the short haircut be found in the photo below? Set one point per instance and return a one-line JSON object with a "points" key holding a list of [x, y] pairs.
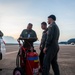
{"points": [[53, 17], [30, 24], [44, 23]]}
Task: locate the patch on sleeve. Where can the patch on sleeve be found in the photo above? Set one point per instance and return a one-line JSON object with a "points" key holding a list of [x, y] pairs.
{"points": [[50, 26]]}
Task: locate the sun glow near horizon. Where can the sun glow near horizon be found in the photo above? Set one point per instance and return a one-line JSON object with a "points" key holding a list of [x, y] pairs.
{"points": [[16, 14]]}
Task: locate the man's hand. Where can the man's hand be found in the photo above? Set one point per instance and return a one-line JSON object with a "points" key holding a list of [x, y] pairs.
{"points": [[31, 48], [40, 47], [44, 50]]}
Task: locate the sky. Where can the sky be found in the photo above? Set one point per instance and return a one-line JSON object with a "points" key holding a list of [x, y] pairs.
{"points": [[16, 14]]}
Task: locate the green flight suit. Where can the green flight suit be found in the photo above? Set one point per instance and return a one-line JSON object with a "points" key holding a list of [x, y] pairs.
{"points": [[28, 34], [42, 45], [52, 46]]}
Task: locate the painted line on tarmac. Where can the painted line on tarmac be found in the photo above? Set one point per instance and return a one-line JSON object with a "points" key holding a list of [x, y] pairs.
{"points": [[11, 52]]}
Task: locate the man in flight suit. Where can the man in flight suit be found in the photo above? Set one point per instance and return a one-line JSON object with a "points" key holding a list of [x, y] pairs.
{"points": [[51, 47], [1, 35], [28, 33], [42, 44]]}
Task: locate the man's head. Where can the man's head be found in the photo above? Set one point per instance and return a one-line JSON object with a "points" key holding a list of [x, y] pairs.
{"points": [[29, 27], [51, 19], [43, 25]]}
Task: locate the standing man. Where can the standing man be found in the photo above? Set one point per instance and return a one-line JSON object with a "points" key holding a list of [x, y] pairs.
{"points": [[1, 34], [51, 47], [42, 44], [28, 33]]}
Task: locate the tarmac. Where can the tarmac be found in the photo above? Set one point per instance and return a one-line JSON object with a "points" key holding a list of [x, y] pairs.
{"points": [[66, 60]]}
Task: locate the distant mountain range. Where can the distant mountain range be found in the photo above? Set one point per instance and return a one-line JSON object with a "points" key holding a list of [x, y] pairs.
{"points": [[11, 40], [70, 41]]}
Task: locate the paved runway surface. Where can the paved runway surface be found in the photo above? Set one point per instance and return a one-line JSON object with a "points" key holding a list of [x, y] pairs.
{"points": [[66, 59]]}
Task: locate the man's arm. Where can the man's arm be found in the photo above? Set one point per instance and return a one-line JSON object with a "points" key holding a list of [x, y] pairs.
{"points": [[43, 40], [22, 34], [49, 36], [35, 36], [40, 47]]}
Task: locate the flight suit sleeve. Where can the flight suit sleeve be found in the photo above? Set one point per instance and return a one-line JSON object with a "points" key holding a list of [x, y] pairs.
{"points": [[41, 41], [49, 36], [35, 36], [22, 34]]}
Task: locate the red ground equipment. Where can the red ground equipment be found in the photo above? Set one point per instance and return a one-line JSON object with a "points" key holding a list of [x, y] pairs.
{"points": [[27, 61]]}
